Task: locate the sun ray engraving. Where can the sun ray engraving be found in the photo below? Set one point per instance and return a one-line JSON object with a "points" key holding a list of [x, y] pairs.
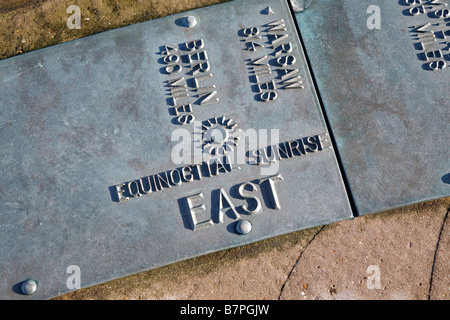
{"points": [[219, 135]]}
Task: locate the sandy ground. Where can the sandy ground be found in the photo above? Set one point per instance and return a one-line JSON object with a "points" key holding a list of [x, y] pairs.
{"points": [[399, 254], [27, 25]]}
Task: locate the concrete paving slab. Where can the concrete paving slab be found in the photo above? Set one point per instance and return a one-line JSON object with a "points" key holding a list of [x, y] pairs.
{"points": [[389, 256]]}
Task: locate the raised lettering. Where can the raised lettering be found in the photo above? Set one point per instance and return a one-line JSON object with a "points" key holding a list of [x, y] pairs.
{"points": [[195, 210], [257, 203]]}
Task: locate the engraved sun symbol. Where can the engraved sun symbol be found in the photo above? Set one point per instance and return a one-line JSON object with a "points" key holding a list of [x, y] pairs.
{"points": [[220, 135]]}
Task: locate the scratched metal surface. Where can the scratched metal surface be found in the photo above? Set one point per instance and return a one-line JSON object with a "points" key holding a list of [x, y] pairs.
{"points": [[389, 112], [81, 117]]}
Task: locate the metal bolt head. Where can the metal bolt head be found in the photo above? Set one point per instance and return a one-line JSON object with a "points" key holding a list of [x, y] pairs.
{"points": [[29, 286], [191, 21], [243, 227]]}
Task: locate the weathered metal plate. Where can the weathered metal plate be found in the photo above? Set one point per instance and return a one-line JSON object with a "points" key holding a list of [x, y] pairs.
{"points": [[84, 123], [388, 110]]}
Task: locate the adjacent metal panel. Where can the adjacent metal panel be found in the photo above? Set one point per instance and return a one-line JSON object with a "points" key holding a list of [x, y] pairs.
{"points": [[94, 132], [382, 70]]}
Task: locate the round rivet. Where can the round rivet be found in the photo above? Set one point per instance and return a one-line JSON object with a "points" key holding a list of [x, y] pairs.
{"points": [[243, 227], [29, 286], [191, 21]]}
